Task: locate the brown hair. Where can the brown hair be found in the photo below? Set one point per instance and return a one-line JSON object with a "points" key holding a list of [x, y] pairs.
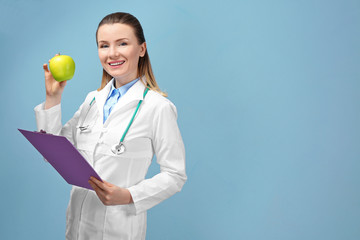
{"points": [[144, 65]]}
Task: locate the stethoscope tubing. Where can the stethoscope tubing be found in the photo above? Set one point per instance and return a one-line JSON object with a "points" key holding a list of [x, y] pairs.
{"points": [[118, 148], [132, 119], [86, 128]]}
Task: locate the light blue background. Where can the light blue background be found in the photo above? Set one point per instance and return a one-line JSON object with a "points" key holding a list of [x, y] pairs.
{"points": [[268, 96]]}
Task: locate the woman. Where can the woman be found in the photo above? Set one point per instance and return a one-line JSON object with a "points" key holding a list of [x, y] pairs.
{"points": [[116, 209]]}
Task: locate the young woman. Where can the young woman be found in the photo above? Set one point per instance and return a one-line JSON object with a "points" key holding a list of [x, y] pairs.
{"points": [[119, 151]]}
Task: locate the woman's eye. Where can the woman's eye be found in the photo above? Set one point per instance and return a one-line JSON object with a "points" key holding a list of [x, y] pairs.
{"points": [[123, 44], [104, 46]]}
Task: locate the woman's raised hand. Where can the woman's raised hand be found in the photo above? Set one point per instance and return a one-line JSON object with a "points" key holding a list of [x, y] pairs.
{"points": [[54, 89]]}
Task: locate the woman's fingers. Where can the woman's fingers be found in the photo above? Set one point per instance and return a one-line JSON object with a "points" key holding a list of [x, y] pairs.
{"points": [[103, 196], [98, 183], [108, 184], [45, 67], [63, 84], [94, 186], [97, 190], [109, 194]]}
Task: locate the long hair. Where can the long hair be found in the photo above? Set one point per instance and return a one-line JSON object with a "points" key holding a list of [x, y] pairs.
{"points": [[144, 65]]}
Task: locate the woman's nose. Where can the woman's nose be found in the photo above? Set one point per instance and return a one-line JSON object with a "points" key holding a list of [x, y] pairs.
{"points": [[113, 53]]}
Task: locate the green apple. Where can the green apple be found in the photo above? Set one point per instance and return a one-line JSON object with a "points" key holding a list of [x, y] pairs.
{"points": [[62, 67]]}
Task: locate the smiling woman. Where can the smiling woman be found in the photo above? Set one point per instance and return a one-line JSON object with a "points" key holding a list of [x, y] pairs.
{"points": [[130, 102], [119, 52], [134, 35]]}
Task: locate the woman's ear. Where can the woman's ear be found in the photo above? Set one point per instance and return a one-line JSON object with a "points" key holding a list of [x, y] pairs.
{"points": [[142, 49]]}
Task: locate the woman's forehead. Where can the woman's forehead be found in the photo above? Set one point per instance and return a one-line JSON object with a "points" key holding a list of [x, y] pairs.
{"points": [[115, 31]]}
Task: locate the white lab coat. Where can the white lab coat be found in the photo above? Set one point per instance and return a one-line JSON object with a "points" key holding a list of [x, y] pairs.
{"points": [[154, 130]]}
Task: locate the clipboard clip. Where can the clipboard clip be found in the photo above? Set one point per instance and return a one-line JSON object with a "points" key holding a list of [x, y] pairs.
{"points": [[43, 132]]}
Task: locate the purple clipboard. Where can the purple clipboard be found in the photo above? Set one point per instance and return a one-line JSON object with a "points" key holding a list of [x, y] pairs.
{"points": [[63, 156]]}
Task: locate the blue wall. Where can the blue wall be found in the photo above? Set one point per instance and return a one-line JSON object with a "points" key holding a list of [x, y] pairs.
{"points": [[268, 95]]}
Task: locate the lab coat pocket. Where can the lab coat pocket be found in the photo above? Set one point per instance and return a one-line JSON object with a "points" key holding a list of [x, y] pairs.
{"points": [[138, 148], [121, 224]]}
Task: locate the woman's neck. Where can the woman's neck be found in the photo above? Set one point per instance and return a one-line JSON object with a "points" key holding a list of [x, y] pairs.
{"points": [[121, 82]]}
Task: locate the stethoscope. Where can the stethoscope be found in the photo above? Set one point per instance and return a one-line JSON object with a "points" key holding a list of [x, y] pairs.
{"points": [[120, 147]]}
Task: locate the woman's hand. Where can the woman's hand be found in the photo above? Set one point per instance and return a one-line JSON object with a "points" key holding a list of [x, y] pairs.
{"points": [[54, 89], [110, 194]]}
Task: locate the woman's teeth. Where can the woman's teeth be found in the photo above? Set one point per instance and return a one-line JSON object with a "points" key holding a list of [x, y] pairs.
{"points": [[117, 63]]}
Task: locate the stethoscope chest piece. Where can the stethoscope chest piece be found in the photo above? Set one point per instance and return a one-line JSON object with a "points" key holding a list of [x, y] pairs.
{"points": [[118, 149]]}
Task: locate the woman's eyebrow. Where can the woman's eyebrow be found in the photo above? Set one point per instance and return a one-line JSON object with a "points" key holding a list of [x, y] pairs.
{"points": [[120, 39]]}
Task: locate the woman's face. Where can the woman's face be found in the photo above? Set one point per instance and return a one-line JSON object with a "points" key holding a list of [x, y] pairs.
{"points": [[119, 51]]}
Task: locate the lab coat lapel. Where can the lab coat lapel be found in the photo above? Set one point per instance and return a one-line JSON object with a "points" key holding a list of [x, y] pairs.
{"points": [[135, 93], [101, 96]]}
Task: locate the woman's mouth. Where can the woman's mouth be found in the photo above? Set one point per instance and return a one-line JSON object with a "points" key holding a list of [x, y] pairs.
{"points": [[116, 64]]}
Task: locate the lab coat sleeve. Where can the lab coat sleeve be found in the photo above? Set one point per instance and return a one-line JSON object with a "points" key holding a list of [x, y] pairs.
{"points": [[49, 120], [170, 155]]}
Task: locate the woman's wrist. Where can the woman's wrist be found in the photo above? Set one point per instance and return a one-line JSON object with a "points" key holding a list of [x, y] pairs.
{"points": [[128, 196], [52, 101]]}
